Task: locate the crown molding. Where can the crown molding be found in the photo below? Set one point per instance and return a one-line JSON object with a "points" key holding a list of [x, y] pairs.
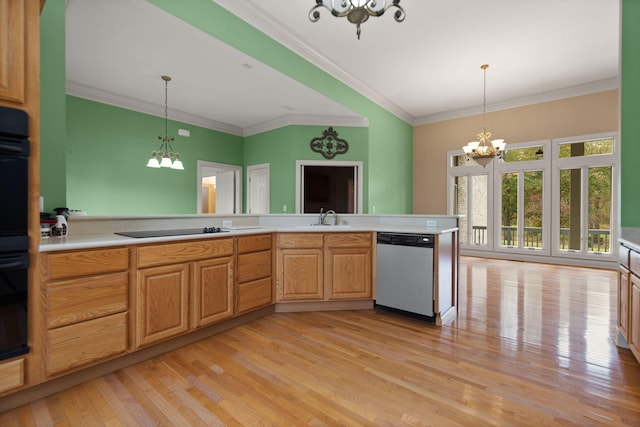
{"points": [[106, 97], [272, 29], [306, 120], [568, 92]]}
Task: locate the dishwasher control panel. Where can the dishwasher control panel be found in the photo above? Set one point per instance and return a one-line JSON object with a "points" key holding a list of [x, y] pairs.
{"points": [[407, 239]]}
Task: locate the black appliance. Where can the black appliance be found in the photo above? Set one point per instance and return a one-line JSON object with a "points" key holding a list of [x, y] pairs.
{"points": [[14, 227], [167, 233]]}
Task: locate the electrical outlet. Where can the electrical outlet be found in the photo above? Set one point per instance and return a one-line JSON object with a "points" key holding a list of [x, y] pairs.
{"points": [[284, 208], [227, 223], [431, 223]]}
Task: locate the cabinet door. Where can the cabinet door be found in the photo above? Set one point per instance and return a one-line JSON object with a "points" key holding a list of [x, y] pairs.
{"points": [[300, 275], [348, 273], [212, 291], [623, 302], [12, 54], [634, 316], [162, 303]]}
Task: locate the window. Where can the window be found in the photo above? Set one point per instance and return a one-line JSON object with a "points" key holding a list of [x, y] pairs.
{"points": [[543, 198]]}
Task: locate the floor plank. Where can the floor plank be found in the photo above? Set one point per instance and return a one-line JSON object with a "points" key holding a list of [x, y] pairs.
{"points": [[531, 345]]}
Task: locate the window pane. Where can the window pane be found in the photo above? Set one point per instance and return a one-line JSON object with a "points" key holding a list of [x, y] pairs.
{"points": [[460, 206], [570, 189], [479, 209], [464, 160], [522, 154], [533, 210], [509, 214], [586, 148], [600, 209]]}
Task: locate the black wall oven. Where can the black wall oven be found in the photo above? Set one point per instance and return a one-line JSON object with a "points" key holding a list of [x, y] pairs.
{"points": [[14, 227]]}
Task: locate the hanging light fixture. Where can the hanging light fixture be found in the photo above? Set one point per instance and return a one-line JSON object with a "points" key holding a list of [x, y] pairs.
{"points": [[165, 157], [357, 11], [484, 150]]}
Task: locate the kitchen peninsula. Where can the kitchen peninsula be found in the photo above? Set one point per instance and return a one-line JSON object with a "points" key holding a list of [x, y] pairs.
{"points": [[108, 300]]}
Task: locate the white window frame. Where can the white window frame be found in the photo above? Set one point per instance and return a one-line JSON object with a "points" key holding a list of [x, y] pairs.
{"points": [[542, 165], [584, 163], [550, 164]]}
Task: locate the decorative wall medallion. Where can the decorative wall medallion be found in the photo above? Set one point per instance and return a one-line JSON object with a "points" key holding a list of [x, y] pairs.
{"points": [[329, 145]]}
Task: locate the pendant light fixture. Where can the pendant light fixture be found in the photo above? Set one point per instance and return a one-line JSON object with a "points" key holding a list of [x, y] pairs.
{"points": [[357, 11], [165, 157], [484, 150]]}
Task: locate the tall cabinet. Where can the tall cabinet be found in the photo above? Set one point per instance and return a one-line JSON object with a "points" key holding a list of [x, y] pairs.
{"points": [[629, 297], [20, 88]]}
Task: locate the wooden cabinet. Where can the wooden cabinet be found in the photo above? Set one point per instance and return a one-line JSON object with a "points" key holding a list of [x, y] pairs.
{"points": [[212, 291], [629, 298], [348, 265], [86, 304], [255, 261], [11, 374], [162, 303], [13, 54], [624, 287], [181, 286], [324, 266], [300, 266], [634, 316]]}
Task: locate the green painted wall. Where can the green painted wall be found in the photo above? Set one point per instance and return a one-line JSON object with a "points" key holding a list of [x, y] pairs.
{"points": [[630, 114], [108, 148], [282, 147], [53, 127], [390, 138]]}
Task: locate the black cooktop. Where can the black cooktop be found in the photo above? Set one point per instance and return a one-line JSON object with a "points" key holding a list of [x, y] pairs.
{"points": [[164, 233]]}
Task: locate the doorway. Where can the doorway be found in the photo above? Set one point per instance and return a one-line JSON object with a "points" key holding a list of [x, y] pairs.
{"points": [[258, 189], [219, 188], [328, 185]]}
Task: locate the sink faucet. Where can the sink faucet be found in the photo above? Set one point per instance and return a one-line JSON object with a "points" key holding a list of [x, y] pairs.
{"points": [[323, 217]]}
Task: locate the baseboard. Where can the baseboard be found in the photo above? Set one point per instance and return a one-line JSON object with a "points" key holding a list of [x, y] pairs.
{"points": [[292, 307]]}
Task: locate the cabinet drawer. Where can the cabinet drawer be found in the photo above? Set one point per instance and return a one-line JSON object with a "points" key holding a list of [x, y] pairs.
{"points": [[254, 294], [86, 342], [351, 240], [300, 240], [634, 262], [11, 375], [76, 300], [173, 253], [82, 263], [254, 266], [254, 243]]}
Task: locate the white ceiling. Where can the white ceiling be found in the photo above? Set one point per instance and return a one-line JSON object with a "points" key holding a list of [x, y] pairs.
{"points": [[424, 69]]}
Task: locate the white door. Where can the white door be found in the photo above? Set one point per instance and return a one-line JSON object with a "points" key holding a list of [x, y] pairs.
{"points": [[258, 189], [225, 192]]}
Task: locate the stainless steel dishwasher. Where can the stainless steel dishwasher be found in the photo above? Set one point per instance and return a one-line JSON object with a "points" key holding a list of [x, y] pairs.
{"points": [[404, 275]]}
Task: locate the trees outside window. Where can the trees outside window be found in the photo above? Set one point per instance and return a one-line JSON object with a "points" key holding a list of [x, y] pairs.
{"points": [[553, 198]]}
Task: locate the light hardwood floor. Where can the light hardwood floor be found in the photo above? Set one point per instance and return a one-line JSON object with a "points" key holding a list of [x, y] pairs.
{"points": [[531, 345]]}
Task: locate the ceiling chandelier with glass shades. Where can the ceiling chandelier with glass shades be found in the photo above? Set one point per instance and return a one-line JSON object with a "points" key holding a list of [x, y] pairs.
{"points": [[484, 149], [165, 157], [357, 11]]}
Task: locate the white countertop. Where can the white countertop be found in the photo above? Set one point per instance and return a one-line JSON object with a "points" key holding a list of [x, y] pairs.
{"points": [[88, 241]]}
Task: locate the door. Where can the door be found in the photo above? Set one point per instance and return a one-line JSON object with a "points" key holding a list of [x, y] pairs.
{"points": [[225, 192], [258, 189], [219, 188]]}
